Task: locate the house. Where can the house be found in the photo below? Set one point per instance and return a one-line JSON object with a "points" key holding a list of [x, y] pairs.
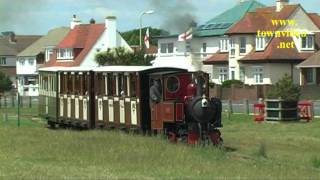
{"points": [[310, 68], [31, 58], [264, 59], [207, 39], [10, 46], [83, 41]]}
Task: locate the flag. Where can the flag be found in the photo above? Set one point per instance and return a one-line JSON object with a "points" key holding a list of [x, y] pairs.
{"points": [[146, 39], [186, 35]]}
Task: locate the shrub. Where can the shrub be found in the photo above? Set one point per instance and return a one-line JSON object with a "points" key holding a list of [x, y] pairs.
{"points": [[5, 83], [228, 83], [285, 89]]}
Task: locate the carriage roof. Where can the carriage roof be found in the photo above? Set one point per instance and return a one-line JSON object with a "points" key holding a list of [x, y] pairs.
{"points": [[142, 69]]}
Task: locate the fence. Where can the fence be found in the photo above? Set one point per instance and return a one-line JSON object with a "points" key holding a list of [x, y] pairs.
{"points": [[246, 107], [12, 114]]}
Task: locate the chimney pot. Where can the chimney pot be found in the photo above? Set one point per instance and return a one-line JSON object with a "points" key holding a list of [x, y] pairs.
{"points": [[280, 4], [92, 21], [74, 22]]}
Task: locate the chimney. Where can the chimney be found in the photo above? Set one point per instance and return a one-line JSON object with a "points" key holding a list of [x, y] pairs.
{"points": [[111, 28], [74, 22], [280, 4]]}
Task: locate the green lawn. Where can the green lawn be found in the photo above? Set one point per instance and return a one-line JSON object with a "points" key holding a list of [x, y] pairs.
{"points": [[251, 150]]}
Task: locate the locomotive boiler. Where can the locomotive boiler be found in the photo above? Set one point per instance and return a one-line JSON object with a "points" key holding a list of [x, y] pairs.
{"points": [[165, 100]]}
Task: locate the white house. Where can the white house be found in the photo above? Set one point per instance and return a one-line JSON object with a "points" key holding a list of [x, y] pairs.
{"points": [[207, 39], [32, 57], [83, 42]]}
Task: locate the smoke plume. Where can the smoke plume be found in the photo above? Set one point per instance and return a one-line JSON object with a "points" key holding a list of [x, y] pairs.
{"points": [[177, 14]]}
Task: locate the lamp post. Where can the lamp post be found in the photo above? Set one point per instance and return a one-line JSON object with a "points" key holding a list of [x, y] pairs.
{"points": [[143, 13]]}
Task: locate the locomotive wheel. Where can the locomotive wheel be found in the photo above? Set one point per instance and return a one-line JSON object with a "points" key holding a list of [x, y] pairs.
{"points": [[215, 137], [172, 137]]}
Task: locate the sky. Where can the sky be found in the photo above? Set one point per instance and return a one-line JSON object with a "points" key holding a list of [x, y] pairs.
{"points": [[39, 16]]}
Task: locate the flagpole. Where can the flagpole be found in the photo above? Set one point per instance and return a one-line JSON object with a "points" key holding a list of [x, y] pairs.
{"points": [[140, 36]]}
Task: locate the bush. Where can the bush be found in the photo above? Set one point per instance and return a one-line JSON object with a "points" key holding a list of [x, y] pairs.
{"points": [[5, 83], [228, 83], [285, 89]]}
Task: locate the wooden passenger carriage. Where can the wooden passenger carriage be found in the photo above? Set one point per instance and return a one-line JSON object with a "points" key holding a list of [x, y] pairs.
{"points": [[113, 96]]}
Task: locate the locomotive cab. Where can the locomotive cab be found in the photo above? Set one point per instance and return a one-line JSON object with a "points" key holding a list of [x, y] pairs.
{"points": [[182, 105]]}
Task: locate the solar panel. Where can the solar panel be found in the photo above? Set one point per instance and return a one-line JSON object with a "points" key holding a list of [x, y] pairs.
{"points": [[215, 26]]}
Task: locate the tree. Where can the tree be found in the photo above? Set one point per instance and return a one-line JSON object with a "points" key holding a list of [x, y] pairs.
{"points": [[121, 56], [285, 89], [5, 83]]}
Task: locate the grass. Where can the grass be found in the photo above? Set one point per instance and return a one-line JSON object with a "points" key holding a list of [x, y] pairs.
{"points": [[251, 151]]}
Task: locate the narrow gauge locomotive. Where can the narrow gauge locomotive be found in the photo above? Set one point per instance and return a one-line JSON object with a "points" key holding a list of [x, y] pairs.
{"points": [[169, 100]]}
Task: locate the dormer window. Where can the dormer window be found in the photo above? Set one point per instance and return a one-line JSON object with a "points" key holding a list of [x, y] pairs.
{"points": [[224, 45], [49, 52], [261, 43], [65, 54], [307, 42]]}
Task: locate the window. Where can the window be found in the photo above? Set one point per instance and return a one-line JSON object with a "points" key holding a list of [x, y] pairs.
{"points": [[166, 48], [233, 74], [307, 42], [173, 84], [133, 84], [261, 43], [122, 85], [223, 74], [242, 74], [3, 61], [49, 52], [22, 62], [232, 48], [258, 75], [243, 43], [100, 85], [309, 75], [111, 84], [31, 62], [64, 54], [204, 49], [224, 43]]}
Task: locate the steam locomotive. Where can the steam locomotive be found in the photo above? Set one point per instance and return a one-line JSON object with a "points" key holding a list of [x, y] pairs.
{"points": [[165, 100]]}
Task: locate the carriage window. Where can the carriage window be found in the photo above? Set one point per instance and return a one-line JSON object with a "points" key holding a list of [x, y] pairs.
{"points": [[70, 83], [85, 84], [45, 81], [77, 84], [110, 84], [173, 84], [133, 81], [121, 85], [100, 84]]}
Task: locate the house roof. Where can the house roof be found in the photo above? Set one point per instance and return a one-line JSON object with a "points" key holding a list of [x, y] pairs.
{"points": [[261, 20], [82, 37], [51, 39], [315, 18], [8, 48], [273, 53], [217, 58], [221, 23], [313, 61]]}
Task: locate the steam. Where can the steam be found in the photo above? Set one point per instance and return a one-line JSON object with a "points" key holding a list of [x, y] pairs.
{"points": [[178, 14]]}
